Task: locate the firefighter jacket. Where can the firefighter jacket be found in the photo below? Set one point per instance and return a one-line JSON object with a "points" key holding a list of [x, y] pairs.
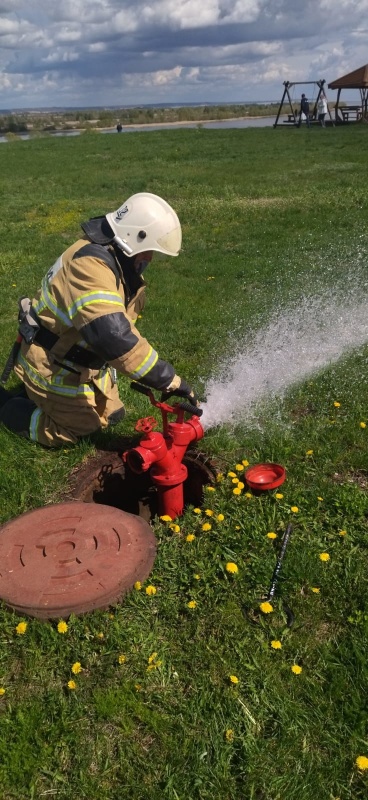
{"points": [[86, 309]]}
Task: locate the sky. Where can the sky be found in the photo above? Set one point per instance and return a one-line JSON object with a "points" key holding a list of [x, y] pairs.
{"points": [[87, 53]]}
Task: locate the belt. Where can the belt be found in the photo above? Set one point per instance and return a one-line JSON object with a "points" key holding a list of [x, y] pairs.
{"points": [[76, 354]]}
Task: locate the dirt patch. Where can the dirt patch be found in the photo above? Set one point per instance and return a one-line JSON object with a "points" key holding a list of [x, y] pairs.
{"points": [[358, 477], [104, 478]]}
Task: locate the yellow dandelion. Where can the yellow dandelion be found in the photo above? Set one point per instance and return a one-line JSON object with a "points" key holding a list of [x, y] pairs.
{"points": [[2, 691], [279, 496], [138, 586], [152, 658], [237, 527], [266, 607], [220, 517], [150, 590], [235, 480], [206, 526], [342, 533], [231, 475], [362, 762], [324, 556], [76, 667], [296, 669], [21, 628], [294, 509], [138, 687], [192, 604], [175, 528], [62, 626], [210, 488], [166, 518], [240, 485], [209, 512], [239, 467], [232, 568], [72, 685], [245, 462], [236, 491], [197, 577], [100, 635], [320, 499], [362, 424], [309, 453], [336, 404], [248, 494], [276, 644], [229, 735], [233, 679], [153, 666], [111, 616], [315, 589], [121, 659], [272, 535], [190, 537], [196, 510]]}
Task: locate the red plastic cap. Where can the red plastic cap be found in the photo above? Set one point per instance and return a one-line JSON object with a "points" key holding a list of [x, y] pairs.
{"points": [[265, 476]]}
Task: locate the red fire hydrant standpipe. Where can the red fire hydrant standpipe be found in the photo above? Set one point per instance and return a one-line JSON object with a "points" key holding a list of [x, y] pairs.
{"points": [[163, 453]]}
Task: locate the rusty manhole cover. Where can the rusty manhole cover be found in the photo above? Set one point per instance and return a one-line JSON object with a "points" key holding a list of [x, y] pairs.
{"points": [[72, 558]]}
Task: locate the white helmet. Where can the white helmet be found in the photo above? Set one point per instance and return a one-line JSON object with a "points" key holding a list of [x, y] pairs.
{"points": [[146, 222]]}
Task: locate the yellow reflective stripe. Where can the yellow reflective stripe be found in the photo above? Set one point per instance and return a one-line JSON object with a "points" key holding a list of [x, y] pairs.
{"points": [[146, 365], [55, 388], [101, 380], [87, 299], [52, 306], [85, 390]]}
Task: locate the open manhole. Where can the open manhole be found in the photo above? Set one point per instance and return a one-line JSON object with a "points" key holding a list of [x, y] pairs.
{"points": [[72, 557], [106, 479]]}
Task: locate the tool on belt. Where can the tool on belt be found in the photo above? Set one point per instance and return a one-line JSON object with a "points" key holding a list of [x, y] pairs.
{"points": [[27, 330], [31, 330]]}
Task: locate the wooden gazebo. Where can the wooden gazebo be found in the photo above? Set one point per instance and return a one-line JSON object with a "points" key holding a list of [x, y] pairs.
{"points": [[353, 80]]}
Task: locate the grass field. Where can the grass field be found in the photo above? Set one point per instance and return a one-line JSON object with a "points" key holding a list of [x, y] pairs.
{"points": [[269, 217]]}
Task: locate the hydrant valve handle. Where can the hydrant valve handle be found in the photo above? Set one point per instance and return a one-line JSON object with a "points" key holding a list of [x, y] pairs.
{"points": [[191, 409], [146, 424]]}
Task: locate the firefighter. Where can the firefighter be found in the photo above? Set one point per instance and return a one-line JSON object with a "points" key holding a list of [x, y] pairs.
{"points": [[79, 330]]}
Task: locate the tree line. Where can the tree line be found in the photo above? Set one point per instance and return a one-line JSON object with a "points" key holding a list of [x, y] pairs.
{"points": [[49, 121]]}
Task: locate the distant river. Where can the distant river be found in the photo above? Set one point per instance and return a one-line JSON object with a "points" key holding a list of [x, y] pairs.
{"points": [[256, 122]]}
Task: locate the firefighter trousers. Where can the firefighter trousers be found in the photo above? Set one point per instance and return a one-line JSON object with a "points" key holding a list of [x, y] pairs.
{"points": [[59, 420]]}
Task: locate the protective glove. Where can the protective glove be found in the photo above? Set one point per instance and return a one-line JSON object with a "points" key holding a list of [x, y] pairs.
{"points": [[183, 390]]}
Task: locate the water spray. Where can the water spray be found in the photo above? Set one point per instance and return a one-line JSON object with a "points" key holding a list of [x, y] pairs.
{"points": [[294, 344]]}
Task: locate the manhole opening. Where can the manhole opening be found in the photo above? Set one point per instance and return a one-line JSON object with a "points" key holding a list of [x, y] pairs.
{"points": [[107, 480]]}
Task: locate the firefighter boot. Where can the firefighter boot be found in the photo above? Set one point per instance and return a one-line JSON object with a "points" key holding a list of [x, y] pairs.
{"points": [[16, 415], [4, 396]]}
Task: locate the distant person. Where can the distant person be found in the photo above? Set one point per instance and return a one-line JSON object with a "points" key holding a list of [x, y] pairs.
{"points": [[322, 109], [119, 127], [304, 111]]}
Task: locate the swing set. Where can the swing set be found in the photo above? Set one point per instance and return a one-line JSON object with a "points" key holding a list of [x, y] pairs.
{"points": [[288, 100]]}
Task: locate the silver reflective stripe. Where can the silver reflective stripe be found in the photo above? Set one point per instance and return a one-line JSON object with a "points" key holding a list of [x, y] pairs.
{"points": [[33, 426], [146, 365], [50, 275], [53, 307]]}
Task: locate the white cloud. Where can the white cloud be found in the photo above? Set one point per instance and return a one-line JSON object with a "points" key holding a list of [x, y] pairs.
{"points": [[75, 51]]}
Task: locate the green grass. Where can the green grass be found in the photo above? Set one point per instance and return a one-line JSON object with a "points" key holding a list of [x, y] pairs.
{"points": [[272, 216]]}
